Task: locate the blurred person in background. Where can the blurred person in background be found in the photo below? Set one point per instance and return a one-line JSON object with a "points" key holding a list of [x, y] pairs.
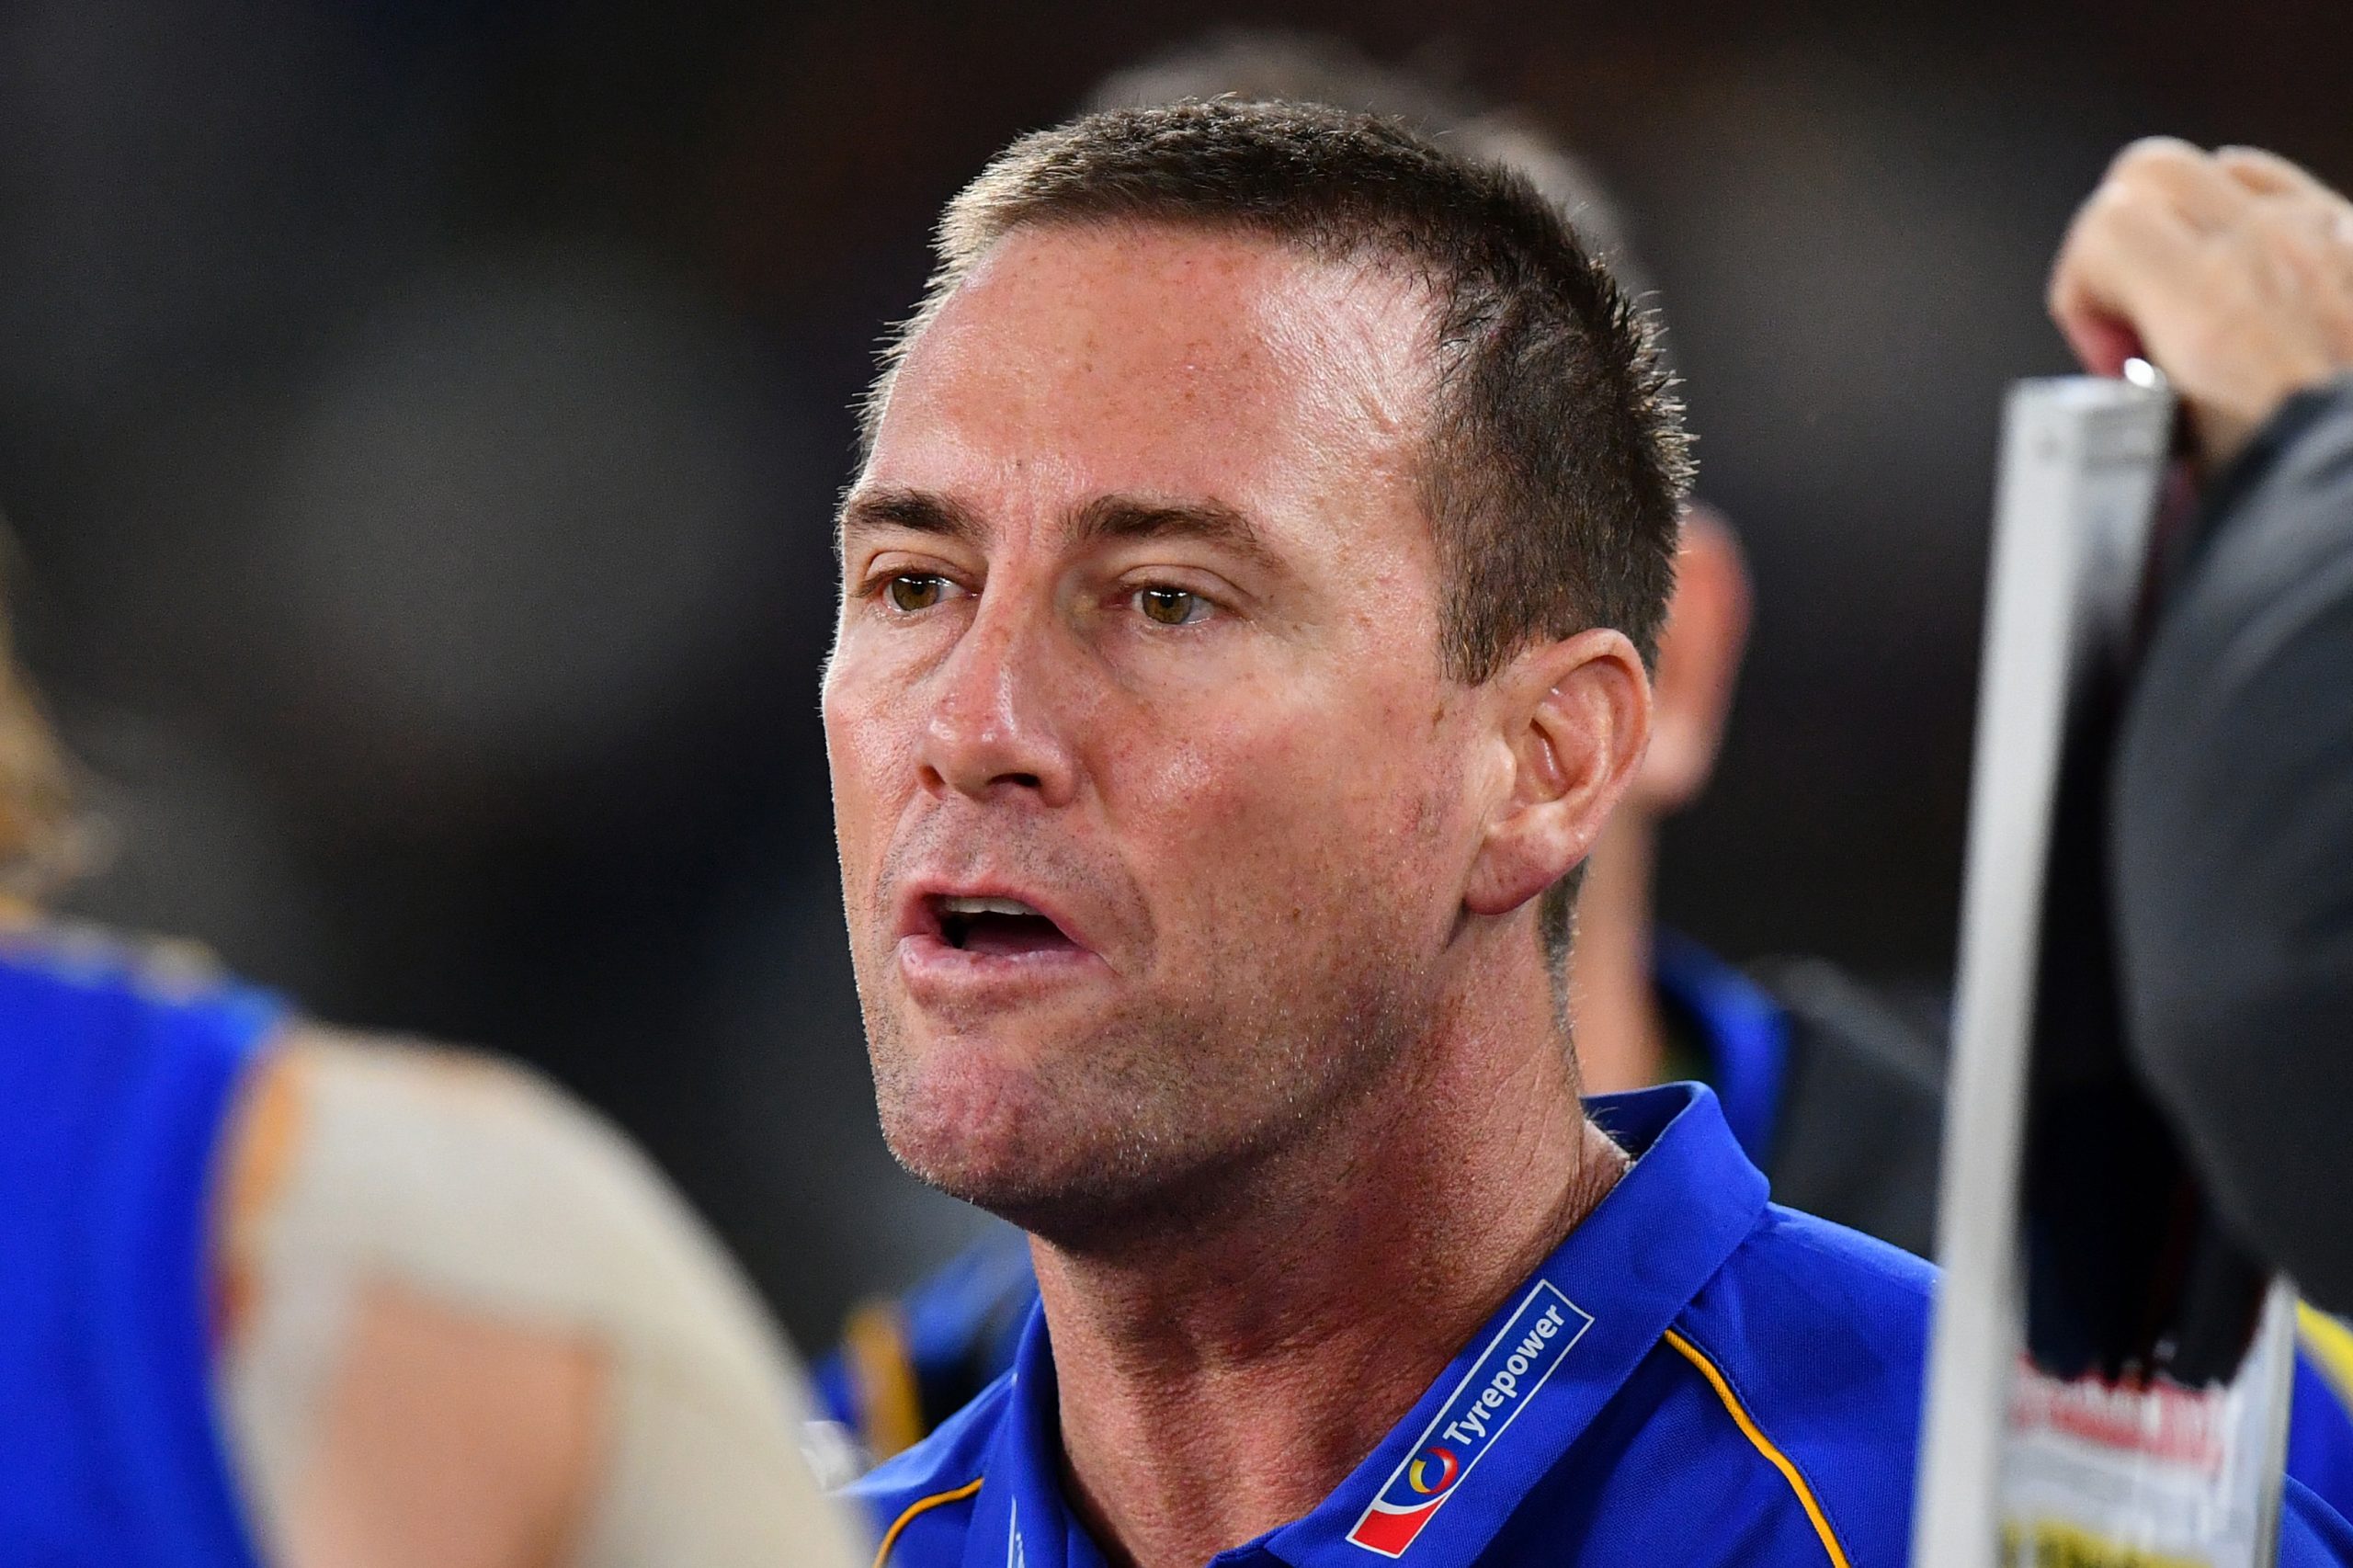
{"points": [[281, 1294], [1833, 1092]]}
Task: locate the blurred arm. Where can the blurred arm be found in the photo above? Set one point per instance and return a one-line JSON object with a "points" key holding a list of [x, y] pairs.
{"points": [[2234, 849], [2232, 271], [469, 1325]]}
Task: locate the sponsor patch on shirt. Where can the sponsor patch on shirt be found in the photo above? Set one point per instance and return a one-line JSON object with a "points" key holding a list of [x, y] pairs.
{"points": [[1515, 1364]]}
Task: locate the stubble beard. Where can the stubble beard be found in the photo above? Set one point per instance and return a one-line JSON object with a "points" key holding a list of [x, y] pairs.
{"points": [[1169, 1118]]}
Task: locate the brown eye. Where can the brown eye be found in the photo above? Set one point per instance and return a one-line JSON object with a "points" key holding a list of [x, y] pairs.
{"points": [[912, 592], [1170, 606]]}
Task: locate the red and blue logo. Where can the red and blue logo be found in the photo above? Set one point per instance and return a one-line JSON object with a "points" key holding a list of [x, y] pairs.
{"points": [[1525, 1352]]}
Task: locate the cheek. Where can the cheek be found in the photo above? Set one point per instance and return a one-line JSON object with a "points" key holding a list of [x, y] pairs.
{"points": [[1277, 813], [864, 753]]}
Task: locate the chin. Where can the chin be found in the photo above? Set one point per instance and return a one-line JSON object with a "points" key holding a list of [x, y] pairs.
{"points": [[1091, 1127], [1088, 1179], [962, 1117], [1070, 1170], [1026, 1178]]}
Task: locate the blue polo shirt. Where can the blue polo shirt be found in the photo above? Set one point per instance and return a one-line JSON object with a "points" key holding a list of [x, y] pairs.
{"points": [[960, 1327], [1694, 1376]]}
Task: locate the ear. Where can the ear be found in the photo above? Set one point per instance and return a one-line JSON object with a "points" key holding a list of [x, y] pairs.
{"points": [[1572, 719], [1699, 664]]}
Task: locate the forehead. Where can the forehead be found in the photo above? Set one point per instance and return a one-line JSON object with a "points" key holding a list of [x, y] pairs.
{"points": [[1074, 361]]}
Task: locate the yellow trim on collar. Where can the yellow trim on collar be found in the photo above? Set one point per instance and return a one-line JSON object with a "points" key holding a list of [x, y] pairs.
{"points": [[920, 1505]]}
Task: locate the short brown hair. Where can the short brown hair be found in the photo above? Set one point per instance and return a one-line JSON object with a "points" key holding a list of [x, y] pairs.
{"points": [[1277, 65], [1557, 460]]}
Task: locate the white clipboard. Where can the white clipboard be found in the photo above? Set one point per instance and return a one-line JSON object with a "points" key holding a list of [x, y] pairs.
{"points": [[2017, 1467]]}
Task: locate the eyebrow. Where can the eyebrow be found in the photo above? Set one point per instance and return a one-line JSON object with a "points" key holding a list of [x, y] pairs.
{"points": [[1110, 518], [911, 511], [1105, 518]]}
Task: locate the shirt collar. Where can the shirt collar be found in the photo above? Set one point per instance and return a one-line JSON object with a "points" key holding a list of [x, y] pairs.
{"points": [[1020, 1518], [1506, 1407]]}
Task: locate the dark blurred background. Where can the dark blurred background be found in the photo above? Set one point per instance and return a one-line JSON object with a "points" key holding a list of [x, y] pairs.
{"points": [[420, 423]]}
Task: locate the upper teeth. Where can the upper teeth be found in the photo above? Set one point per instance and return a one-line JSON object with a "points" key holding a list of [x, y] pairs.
{"points": [[985, 906]]}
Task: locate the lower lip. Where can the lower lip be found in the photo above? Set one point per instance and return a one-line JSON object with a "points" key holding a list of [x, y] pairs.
{"points": [[931, 966]]}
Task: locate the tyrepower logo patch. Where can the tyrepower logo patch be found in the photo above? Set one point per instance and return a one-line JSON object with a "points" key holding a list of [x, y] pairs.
{"points": [[1489, 1398]]}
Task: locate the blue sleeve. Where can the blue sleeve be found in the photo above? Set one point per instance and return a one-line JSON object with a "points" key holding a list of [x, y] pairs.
{"points": [[2312, 1534], [2319, 1439]]}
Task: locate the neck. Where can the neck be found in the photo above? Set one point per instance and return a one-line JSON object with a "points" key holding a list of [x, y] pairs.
{"points": [[1224, 1384], [1620, 1035]]}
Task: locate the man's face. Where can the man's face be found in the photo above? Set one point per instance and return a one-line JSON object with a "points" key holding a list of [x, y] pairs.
{"points": [[1149, 787]]}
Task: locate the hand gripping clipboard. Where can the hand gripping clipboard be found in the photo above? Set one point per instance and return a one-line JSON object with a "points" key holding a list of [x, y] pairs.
{"points": [[2109, 1370]]}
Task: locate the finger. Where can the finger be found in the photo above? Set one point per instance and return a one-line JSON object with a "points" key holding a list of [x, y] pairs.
{"points": [[2306, 247], [2128, 261], [2282, 187], [2268, 173], [2190, 179], [2314, 234], [2101, 343]]}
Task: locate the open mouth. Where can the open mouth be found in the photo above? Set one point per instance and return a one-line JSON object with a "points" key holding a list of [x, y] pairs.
{"points": [[997, 927]]}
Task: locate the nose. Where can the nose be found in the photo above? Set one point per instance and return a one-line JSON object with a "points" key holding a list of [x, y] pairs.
{"points": [[1000, 710]]}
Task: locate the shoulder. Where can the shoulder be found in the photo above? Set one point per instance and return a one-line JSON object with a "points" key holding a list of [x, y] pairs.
{"points": [[362, 1148], [919, 1502], [2310, 1533], [160, 999], [115, 1085], [560, 1327], [1812, 1339], [2320, 1427], [121, 1050], [1822, 1280], [479, 1181]]}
